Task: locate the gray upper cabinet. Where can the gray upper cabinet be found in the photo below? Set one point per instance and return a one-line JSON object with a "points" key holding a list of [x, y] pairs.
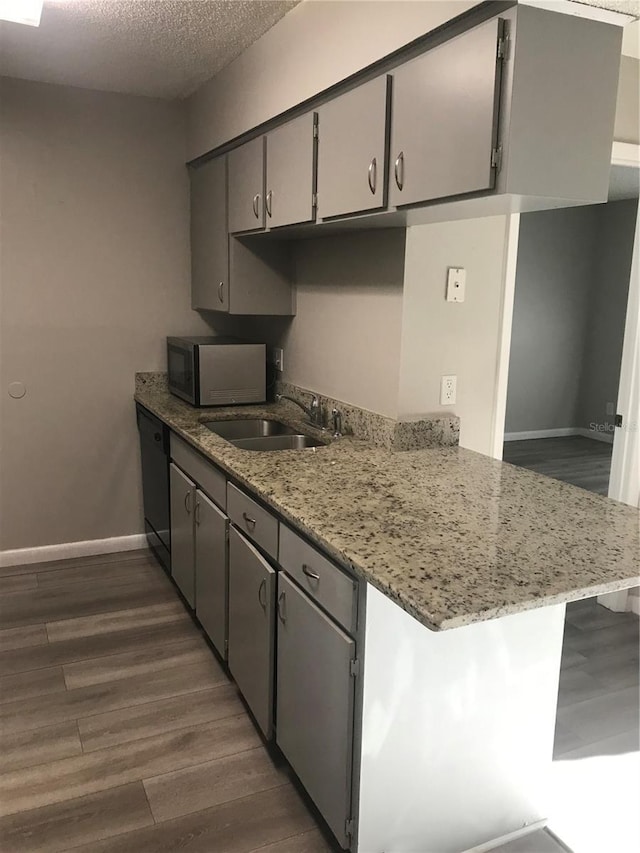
{"points": [[352, 150], [291, 173], [444, 119], [315, 703], [251, 628], [246, 187], [211, 570], [183, 493], [209, 239]]}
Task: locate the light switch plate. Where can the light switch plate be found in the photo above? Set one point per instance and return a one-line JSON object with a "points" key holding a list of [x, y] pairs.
{"points": [[456, 284]]}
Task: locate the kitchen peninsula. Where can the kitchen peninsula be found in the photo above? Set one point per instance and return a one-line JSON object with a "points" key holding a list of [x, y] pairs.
{"points": [[463, 566]]}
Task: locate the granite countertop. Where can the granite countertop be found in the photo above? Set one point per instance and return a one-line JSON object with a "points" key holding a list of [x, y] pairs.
{"points": [[452, 536]]}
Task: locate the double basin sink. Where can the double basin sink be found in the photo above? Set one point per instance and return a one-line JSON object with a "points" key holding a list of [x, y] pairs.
{"points": [[261, 434]]}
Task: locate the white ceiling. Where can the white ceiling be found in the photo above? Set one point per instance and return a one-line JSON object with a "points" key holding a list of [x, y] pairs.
{"points": [[162, 48]]}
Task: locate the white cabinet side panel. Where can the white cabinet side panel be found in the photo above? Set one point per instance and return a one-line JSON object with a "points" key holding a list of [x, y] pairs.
{"points": [[458, 728]]}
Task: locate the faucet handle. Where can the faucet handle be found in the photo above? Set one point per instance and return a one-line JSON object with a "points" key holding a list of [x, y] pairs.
{"points": [[337, 422]]}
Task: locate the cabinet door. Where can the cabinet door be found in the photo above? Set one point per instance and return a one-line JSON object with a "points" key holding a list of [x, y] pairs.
{"points": [[246, 186], [211, 571], [444, 119], [291, 172], [251, 627], [315, 703], [209, 237], [183, 493], [352, 150]]}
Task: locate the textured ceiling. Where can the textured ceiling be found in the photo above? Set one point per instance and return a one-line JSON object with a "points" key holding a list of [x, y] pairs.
{"points": [[625, 7], [163, 48]]}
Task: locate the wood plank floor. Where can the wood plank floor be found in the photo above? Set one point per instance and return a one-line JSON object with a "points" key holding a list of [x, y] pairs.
{"points": [[583, 462], [121, 733]]}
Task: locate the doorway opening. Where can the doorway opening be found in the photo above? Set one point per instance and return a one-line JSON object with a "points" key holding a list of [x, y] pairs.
{"points": [[571, 293]]}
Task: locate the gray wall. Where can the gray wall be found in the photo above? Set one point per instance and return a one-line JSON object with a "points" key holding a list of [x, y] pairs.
{"points": [[607, 313], [94, 273], [344, 341], [572, 282], [556, 257]]}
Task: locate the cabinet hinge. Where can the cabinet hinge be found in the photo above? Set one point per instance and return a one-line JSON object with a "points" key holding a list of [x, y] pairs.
{"points": [[503, 48], [354, 667], [315, 129], [496, 158], [349, 827], [314, 200]]}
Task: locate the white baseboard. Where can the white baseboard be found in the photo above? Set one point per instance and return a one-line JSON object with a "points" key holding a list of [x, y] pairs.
{"points": [[563, 432], [508, 838], [66, 550], [541, 433]]}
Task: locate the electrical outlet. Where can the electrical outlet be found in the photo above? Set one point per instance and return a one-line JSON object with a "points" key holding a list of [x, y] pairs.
{"points": [[278, 358], [456, 284], [448, 390]]}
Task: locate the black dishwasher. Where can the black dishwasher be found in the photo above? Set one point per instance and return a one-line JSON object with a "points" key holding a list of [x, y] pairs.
{"points": [[154, 453]]}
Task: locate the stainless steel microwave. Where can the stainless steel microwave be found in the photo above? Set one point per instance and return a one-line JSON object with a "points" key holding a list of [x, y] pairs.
{"points": [[217, 371]]}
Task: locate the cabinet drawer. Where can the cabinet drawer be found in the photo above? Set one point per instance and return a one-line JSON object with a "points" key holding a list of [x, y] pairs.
{"points": [[254, 521], [209, 478], [324, 582]]}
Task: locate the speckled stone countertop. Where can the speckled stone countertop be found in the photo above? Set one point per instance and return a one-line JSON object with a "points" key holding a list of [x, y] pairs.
{"points": [[452, 536]]}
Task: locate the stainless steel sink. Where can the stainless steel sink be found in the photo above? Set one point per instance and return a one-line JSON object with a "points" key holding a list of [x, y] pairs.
{"points": [[261, 434], [277, 442], [249, 428]]}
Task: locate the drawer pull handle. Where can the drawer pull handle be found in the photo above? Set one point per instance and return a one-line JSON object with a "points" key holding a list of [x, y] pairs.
{"points": [[187, 502], [268, 202], [220, 289], [282, 614], [196, 513], [309, 573], [262, 594], [250, 522], [256, 202]]}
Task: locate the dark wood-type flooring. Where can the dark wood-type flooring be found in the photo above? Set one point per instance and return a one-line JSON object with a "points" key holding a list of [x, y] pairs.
{"points": [[121, 733], [583, 462]]}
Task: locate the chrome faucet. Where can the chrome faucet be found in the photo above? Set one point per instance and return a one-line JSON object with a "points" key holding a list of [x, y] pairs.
{"points": [[313, 411]]}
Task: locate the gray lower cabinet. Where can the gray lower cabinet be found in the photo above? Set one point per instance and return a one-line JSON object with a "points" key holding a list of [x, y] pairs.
{"points": [[444, 119], [211, 570], [352, 150], [291, 166], [251, 628], [183, 493], [315, 703], [209, 238], [246, 187]]}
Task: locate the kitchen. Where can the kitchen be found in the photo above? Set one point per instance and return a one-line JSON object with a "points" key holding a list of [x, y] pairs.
{"points": [[112, 280]]}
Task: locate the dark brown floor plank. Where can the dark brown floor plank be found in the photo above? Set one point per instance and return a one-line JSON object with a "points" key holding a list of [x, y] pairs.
{"points": [[68, 602], [309, 842], [35, 787], [39, 746], [17, 583], [23, 638], [581, 461], [154, 718], [116, 620], [152, 637], [85, 820], [142, 568], [236, 827], [55, 565], [133, 664], [212, 783], [31, 686], [22, 715]]}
